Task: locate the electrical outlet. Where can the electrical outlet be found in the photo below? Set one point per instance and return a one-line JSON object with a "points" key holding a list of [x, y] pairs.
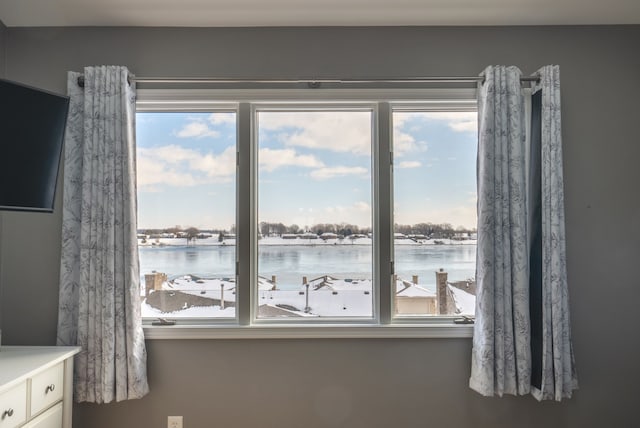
{"points": [[174, 421]]}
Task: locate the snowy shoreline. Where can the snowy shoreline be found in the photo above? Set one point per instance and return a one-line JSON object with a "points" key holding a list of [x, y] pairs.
{"points": [[272, 240]]}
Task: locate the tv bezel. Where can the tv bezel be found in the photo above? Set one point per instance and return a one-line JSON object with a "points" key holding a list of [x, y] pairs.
{"points": [[50, 204]]}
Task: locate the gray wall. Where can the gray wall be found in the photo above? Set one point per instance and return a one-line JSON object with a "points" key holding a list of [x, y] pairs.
{"points": [[371, 383]]}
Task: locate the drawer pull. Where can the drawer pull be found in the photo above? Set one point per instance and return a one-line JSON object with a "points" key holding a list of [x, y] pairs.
{"points": [[51, 388], [7, 413]]}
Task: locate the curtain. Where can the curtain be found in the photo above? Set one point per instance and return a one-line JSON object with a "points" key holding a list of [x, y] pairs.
{"points": [[99, 302], [522, 340], [500, 359], [554, 368]]}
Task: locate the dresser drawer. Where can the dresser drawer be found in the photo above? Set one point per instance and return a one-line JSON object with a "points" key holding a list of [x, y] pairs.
{"points": [[13, 406], [46, 388], [52, 418]]}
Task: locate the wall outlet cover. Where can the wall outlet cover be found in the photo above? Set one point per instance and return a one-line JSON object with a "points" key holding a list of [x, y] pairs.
{"points": [[174, 421]]}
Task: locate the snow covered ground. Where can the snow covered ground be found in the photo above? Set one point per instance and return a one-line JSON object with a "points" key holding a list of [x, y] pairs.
{"points": [[327, 297]]}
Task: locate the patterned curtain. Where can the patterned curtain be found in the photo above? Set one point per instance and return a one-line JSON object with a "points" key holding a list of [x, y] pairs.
{"points": [[521, 341], [99, 307], [554, 374], [501, 354]]}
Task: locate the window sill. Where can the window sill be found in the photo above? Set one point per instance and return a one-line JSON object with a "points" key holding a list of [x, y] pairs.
{"points": [[393, 331]]}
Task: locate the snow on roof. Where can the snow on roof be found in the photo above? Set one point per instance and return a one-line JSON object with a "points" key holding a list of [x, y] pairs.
{"points": [[336, 298], [415, 291], [322, 303], [465, 302], [335, 284], [149, 311]]}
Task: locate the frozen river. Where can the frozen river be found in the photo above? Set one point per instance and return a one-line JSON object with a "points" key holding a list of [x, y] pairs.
{"points": [[289, 263]]}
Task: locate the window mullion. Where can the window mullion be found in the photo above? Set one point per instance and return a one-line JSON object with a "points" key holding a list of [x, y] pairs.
{"points": [[246, 230], [382, 214]]}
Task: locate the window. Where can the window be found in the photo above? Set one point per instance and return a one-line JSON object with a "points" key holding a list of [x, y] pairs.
{"points": [[314, 212], [434, 212], [186, 164], [307, 207]]}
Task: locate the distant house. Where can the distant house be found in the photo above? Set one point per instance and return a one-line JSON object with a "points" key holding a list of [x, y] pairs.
{"points": [[418, 237], [328, 235], [411, 299], [452, 298]]}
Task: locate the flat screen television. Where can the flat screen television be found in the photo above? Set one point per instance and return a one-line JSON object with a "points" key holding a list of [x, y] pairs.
{"points": [[32, 126]]}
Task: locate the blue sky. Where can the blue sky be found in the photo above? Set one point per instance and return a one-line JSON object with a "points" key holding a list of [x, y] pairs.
{"points": [[435, 177], [314, 167]]}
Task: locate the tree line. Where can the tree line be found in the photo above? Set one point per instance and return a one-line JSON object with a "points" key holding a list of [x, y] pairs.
{"points": [[344, 229], [431, 230], [435, 230]]}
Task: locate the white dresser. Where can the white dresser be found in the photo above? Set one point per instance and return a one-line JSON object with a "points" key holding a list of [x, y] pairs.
{"points": [[36, 386]]}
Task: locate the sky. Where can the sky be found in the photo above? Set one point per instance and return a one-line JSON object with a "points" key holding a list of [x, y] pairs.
{"points": [[314, 167]]}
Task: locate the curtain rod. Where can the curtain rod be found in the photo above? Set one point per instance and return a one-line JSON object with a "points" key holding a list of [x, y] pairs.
{"points": [[313, 83]]}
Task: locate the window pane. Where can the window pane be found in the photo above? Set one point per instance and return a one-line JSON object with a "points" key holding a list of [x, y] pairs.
{"points": [[434, 212], [186, 213], [314, 213]]}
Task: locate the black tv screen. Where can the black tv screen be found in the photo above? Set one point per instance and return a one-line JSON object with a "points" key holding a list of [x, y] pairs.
{"points": [[32, 125]]}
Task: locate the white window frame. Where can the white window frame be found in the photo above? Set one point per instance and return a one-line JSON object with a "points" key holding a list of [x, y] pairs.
{"points": [[246, 103]]}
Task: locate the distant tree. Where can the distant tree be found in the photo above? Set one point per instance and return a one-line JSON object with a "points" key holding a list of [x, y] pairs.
{"points": [[321, 228], [294, 228], [345, 229], [403, 228], [280, 229], [191, 234], [149, 232], [263, 227]]}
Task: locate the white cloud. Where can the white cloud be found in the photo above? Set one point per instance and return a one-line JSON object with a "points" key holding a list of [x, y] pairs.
{"points": [[220, 166], [409, 164], [337, 171], [344, 132], [222, 118], [197, 129], [458, 121], [152, 173], [404, 142], [272, 159], [180, 167]]}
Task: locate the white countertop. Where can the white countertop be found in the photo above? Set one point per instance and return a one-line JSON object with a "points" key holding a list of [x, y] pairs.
{"points": [[18, 363]]}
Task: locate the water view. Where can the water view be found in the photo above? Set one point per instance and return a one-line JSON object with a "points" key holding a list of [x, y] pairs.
{"points": [[314, 210], [291, 262]]}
